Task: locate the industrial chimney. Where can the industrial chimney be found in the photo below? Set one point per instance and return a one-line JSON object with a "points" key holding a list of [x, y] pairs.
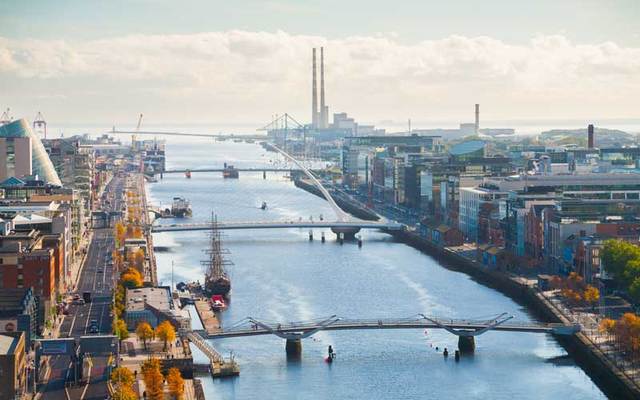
{"points": [[591, 138], [477, 119], [314, 95], [324, 114]]}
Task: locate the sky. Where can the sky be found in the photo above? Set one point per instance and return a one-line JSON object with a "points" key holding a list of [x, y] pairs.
{"points": [[242, 61]]}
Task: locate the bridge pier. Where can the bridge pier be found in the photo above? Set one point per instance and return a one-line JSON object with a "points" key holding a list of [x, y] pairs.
{"points": [[348, 233], [264, 174], [466, 344], [293, 348]]}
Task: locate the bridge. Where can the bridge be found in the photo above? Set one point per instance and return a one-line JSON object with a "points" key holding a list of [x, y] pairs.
{"points": [[465, 329], [256, 169], [344, 226], [335, 226], [194, 134]]}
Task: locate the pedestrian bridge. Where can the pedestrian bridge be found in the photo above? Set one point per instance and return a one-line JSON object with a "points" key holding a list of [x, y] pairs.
{"points": [[336, 226], [461, 327], [465, 329]]}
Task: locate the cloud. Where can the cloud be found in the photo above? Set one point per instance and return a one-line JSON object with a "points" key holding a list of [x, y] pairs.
{"points": [[251, 75]]}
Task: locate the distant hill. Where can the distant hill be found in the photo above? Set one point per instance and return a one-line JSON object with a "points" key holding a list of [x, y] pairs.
{"points": [[603, 137]]}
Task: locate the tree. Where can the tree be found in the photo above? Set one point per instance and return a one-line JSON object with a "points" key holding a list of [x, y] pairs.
{"points": [[124, 393], [591, 295], [122, 376], [132, 278], [166, 332], [120, 328], [607, 326], [176, 383], [153, 379], [123, 379], [144, 331], [616, 254], [120, 232]]}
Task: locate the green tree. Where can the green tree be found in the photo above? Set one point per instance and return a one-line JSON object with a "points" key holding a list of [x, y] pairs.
{"points": [[616, 254], [120, 328]]}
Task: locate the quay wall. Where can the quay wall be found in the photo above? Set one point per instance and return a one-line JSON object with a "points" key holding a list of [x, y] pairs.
{"points": [[589, 357]]}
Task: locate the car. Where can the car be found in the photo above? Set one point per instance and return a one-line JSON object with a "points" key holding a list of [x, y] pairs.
{"points": [[94, 329], [79, 302], [100, 270], [76, 296]]}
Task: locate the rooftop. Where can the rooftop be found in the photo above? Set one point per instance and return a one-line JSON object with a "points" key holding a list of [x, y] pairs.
{"points": [[8, 344], [157, 297]]}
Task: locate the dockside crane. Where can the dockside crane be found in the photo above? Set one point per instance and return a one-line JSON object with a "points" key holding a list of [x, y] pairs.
{"points": [[5, 118], [40, 123]]}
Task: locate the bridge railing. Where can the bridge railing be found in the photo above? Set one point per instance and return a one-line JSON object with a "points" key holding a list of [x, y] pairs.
{"points": [[387, 322]]}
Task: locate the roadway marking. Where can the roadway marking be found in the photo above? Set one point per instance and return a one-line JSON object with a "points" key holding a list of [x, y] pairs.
{"points": [[84, 391], [86, 324], [73, 321]]}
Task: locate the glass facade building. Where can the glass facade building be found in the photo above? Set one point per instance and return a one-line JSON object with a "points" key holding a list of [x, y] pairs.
{"points": [[41, 164]]}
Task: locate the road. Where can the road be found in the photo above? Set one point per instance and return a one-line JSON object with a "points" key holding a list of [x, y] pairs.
{"points": [[96, 277]]}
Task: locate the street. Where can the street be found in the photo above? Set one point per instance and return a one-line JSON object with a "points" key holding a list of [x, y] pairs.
{"points": [[96, 277]]}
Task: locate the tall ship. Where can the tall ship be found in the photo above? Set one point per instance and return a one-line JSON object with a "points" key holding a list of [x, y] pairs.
{"points": [[180, 207], [217, 282]]}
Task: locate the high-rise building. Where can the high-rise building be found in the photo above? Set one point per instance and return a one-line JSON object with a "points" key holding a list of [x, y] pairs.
{"points": [[591, 143], [15, 157], [18, 145]]}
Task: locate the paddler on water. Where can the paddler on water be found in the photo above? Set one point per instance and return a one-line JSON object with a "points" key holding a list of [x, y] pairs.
{"points": [[331, 354]]}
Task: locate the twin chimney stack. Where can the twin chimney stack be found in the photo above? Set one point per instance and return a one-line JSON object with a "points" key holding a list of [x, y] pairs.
{"points": [[319, 118]]}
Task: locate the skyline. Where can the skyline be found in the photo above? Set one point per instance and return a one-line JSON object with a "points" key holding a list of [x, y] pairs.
{"points": [[248, 68]]}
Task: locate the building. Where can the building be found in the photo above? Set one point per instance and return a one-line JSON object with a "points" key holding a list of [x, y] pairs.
{"points": [[153, 305], [15, 157], [19, 312], [40, 163], [26, 262], [473, 200], [13, 365]]}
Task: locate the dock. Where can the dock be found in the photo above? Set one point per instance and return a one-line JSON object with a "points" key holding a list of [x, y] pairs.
{"points": [[209, 319], [218, 365]]}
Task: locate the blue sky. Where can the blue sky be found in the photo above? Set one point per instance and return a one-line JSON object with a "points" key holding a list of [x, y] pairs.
{"points": [[243, 61]]}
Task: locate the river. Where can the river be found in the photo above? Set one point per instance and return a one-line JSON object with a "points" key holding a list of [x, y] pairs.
{"points": [[280, 275]]}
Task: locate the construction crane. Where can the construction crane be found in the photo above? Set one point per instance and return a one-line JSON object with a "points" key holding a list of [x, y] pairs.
{"points": [[133, 137], [40, 123], [5, 118]]}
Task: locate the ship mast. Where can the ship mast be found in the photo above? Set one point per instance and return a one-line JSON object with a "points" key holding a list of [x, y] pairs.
{"points": [[216, 262]]}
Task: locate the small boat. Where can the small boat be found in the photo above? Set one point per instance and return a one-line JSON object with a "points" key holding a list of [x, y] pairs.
{"points": [[264, 205], [229, 171], [180, 208], [218, 303], [188, 174]]}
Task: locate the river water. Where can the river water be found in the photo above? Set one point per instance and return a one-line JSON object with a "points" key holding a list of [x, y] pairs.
{"points": [[280, 275]]}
